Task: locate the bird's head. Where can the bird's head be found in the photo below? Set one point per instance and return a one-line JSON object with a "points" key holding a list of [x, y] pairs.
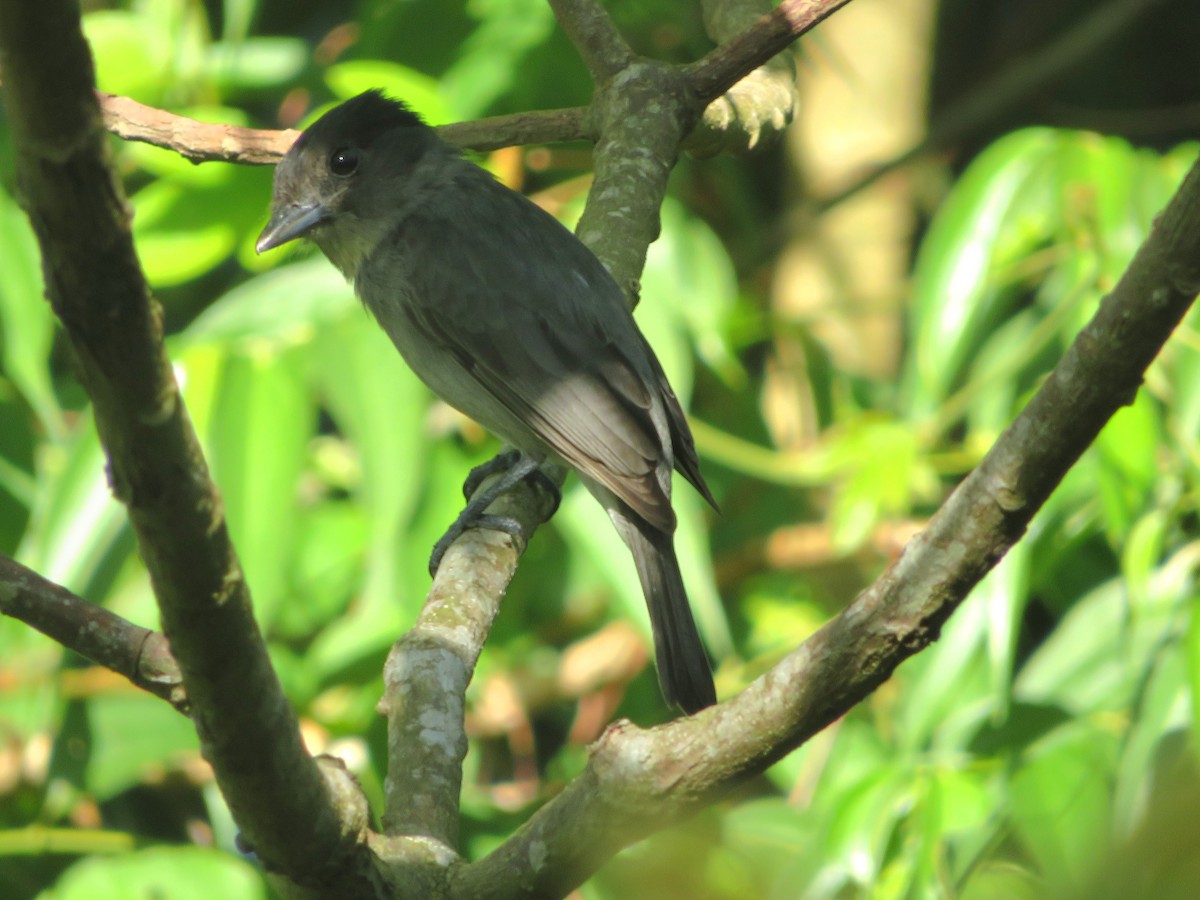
{"points": [[350, 176]]}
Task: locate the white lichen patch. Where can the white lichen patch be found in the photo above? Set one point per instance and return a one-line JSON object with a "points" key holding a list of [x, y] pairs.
{"points": [[537, 855]]}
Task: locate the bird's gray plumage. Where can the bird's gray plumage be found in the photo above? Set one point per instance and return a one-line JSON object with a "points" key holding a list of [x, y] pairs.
{"points": [[509, 318]]}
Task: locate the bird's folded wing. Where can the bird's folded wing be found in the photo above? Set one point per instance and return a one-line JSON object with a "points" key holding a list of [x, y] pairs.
{"points": [[578, 394]]}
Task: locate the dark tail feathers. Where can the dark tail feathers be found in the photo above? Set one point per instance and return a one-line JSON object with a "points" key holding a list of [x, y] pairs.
{"points": [[683, 670]]}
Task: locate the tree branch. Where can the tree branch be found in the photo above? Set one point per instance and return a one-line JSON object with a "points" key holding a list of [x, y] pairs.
{"points": [[759, 106], [605, 53], [80, 216], [591, 30], [541, 127], [196, 141], [725, 66], [638, 781], [141, 655], [209, 142], [642, 116], [428, 670]]}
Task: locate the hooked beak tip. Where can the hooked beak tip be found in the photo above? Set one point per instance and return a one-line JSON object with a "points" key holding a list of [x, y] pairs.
{"points": [[287, 224]]}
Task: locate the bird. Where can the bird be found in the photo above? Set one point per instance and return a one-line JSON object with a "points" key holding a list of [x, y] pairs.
{"points": [[508, 317]]}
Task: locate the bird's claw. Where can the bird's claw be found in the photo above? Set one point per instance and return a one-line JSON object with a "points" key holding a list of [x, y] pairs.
{"points": [[515, 467], [501, 462], [506, 524]]}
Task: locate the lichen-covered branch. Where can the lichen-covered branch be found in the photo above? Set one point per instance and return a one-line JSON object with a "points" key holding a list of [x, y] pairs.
{"points": [[642, 116], [428, 670], [600, 45]]}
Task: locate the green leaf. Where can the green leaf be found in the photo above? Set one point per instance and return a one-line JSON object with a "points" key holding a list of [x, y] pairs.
{"points": [[178, 873], [262, 419], [1002, 880], [132, 53], [26, 321], [1184, 373], [491, 59], [1128, 453], [587, 531], [29, 661], [381, 407], [994, 216], [1060, 803], [76, 524], [288, 305], [1097, 179], [880, 473], [1098, 656], [1143, 550], [950, 679], [128, 736], [1192, 659], [330, 543], [1154, 752], [184, 227], [689, 272], [176, 257], [865, 820], [258, 63]]}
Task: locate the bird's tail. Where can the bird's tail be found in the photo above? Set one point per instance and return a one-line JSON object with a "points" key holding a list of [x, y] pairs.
{"points": [[683, 670]]}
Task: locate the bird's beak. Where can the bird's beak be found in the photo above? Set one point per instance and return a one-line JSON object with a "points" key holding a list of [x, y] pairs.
{"points": [[293, 221]]}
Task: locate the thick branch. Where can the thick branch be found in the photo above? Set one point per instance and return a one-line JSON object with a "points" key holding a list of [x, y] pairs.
{"points": [[642, 116], [639, 781], [79, 214], [600, 45], [429, 668], [141, 655]]}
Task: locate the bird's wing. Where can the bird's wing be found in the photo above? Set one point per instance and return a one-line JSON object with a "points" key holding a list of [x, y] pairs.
{"points": [[581, 398], [554, 344]]}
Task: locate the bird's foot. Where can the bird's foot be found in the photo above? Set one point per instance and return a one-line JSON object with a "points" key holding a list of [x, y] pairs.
{"points": [[513, 467], [463, 523], [504, 462], [501, 462]]}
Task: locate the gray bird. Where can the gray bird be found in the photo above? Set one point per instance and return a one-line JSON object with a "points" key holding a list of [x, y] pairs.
{"points": [[509, 318]]}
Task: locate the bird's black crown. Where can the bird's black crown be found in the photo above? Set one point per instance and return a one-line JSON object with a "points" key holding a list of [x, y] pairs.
{"points": [[362, 119]]}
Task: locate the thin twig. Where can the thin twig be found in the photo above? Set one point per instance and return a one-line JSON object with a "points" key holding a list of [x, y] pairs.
{"points": [[141, 655], [721, 69], [209, 142], [196, 141]]}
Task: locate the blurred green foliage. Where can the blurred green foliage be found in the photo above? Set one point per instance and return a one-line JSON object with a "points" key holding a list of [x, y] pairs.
{"points": [[1045, 745]]}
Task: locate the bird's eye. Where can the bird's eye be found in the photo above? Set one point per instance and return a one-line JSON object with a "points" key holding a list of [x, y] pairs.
{"points": [[343, 161]]}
